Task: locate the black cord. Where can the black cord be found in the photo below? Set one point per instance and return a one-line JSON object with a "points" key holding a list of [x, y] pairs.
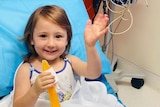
{"points": [[104, 7]]}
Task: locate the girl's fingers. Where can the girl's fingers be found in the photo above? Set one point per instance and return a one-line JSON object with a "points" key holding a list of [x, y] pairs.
{"points": [[47, 78], [101, 21], [48, 83]]}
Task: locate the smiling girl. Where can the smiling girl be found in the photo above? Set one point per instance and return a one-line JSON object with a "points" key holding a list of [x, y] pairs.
{"points": [[48, 36]]}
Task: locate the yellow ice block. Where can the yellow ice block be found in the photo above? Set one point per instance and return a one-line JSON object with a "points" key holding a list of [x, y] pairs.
{"points": [[51, 91]]}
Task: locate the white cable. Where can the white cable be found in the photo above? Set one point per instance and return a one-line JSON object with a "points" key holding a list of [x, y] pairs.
{"points": [[146, 1], [121, 16], [125, 8]]}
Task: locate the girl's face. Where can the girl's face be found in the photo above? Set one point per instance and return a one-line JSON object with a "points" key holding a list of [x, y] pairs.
{"points": [[49, 40]]}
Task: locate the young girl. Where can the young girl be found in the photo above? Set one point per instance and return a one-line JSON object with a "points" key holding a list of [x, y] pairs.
{"points": [[48, 36]]}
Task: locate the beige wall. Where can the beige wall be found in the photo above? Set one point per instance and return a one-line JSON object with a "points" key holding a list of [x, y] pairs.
{"points": [[141, 44]]}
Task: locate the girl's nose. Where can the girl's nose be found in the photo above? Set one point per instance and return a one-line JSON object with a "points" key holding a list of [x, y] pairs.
{"points": [[51, 42]]}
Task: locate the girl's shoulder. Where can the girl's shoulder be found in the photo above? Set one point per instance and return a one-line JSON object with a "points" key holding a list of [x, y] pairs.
{"points": [[23, 70], [70, 57], [73, 58], [24, 65]]}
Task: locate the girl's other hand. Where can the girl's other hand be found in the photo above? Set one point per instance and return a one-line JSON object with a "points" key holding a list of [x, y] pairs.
{"points": [[44, 81]]}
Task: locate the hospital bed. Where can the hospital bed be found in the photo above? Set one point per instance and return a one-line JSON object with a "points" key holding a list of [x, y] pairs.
{"points": [[14, 15]]}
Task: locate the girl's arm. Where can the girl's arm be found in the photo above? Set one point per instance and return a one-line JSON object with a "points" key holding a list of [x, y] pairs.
{"points": [[26, 95], [91, 69]]}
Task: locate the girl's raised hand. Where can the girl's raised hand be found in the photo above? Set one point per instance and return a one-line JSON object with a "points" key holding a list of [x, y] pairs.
{"points": [[94, 31]]}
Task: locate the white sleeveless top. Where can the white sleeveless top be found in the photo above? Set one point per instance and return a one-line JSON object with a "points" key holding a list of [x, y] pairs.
{"points": [[66, 81]]}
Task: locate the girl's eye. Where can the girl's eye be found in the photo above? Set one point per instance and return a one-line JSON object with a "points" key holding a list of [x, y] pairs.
{"points": [[58, 36], [43, 36]]}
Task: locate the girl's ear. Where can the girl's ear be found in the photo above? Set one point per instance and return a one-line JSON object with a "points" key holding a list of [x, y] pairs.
{"points": [[31, 41], [66, 43]]}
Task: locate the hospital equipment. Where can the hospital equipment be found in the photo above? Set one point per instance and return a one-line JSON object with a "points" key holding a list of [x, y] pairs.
{"points": [[109, 6]]}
